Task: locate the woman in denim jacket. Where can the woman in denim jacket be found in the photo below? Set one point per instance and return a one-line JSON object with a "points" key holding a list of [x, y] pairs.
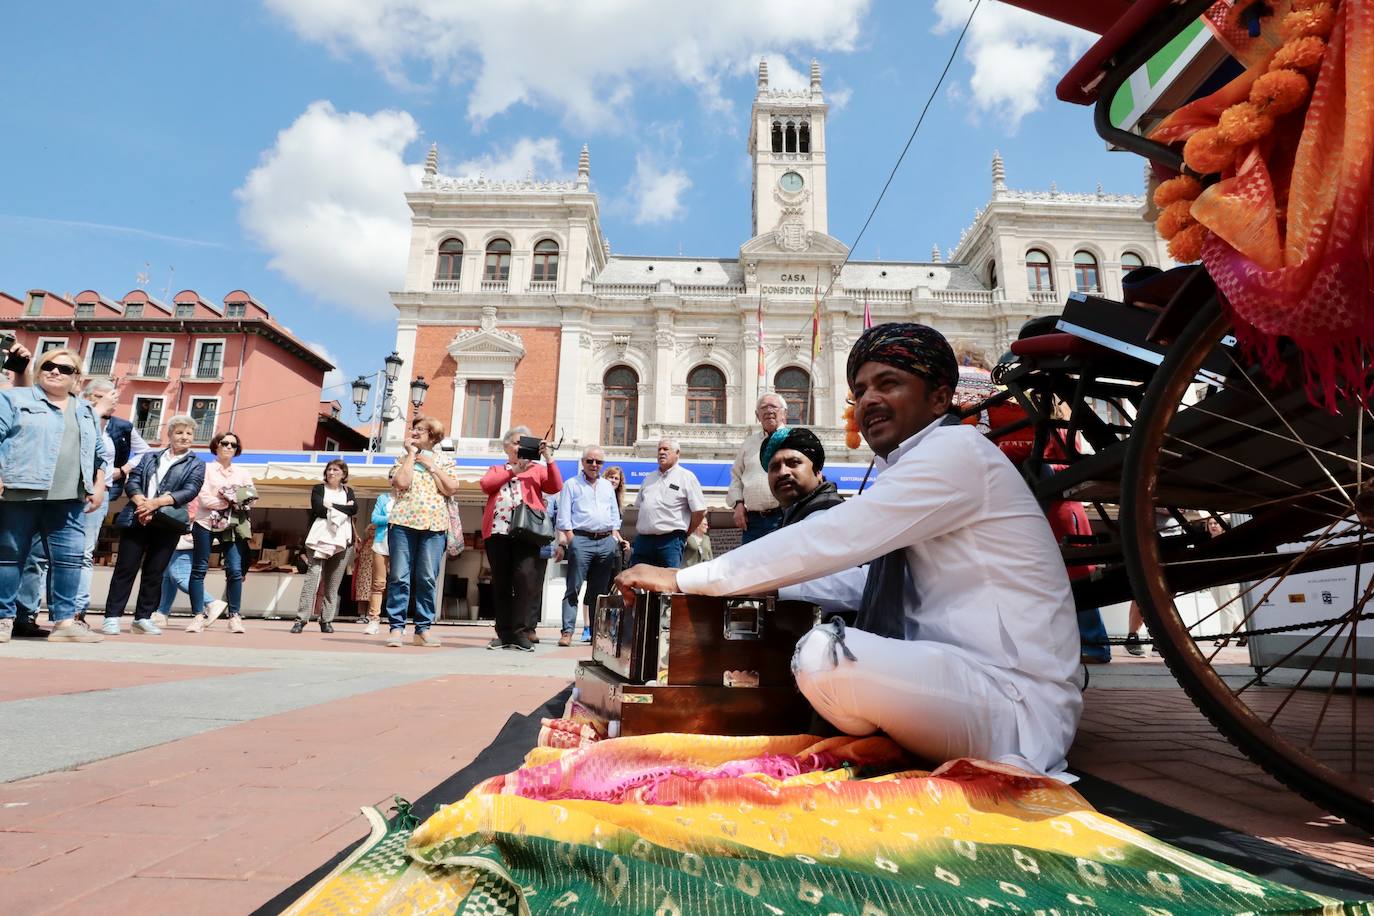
{"points": [[165, 479], [52, 469]]}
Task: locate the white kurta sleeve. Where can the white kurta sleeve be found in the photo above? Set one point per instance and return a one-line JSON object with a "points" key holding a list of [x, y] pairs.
{"points": [[932, 489], [842, 591]]}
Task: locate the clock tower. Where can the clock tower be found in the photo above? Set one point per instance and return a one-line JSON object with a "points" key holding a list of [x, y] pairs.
{"points": [[787, 146]]}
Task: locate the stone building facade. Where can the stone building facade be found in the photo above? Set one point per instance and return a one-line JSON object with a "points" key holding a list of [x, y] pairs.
{"points": [[516, 310]]}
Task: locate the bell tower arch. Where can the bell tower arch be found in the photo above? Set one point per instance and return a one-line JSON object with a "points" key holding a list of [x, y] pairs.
{"points": [[787, 148]]}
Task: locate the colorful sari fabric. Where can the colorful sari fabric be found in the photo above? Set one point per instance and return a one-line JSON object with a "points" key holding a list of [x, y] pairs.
{"points": [[682, 824]]}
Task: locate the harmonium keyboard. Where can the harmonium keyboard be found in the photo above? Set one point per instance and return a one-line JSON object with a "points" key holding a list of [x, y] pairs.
{"points": [[696, 664]]}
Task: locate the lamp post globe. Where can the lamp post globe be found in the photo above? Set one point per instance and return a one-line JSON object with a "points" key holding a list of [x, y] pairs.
{"points": [[393, 366], [418, 389], [361, 388]]}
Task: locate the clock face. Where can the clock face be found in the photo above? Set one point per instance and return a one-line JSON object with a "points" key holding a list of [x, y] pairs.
{"points": [[790, 182]]}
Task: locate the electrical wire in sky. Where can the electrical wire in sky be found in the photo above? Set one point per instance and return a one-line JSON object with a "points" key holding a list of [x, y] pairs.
{"points": [[953, 52]]}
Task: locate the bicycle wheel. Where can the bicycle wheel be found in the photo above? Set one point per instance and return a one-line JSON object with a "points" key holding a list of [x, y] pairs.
{"points": [[1277, 481]]}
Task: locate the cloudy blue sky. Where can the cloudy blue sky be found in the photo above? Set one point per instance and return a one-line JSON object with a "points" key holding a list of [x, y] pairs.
{"points": [[266, 144]]}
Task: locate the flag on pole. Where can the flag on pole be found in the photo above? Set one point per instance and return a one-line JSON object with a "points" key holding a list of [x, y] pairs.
{"points": [[760, 360], [868, 316], [816, 324]]}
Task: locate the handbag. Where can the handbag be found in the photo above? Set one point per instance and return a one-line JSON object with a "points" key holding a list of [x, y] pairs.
{"points": [[171, 518], [530, 526], [454, 543]]}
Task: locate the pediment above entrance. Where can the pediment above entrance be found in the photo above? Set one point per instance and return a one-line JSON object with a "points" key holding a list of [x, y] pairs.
{"points": [[806, 246]]}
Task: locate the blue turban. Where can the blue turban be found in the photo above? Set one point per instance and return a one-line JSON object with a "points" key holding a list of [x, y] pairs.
{"points": [[797, 438]]}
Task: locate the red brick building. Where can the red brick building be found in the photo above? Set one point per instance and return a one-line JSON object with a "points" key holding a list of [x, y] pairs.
{"points": [[228, 365]]}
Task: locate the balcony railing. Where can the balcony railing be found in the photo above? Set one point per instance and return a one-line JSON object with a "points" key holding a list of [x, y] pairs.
{"points": [[446, 286], [155, 370], [209, 373], [543, 286], [101, 365], [148, 429], [205, 429], [495, 286], [1045, 296]]}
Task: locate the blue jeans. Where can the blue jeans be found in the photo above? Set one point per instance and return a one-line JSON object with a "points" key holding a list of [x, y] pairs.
{"points": [[756, 525], [659, 549], [415, 557], [177, 576], [33, 585], [58, 524], [590, 561], [200, 563], [1092, 634], [91, 523]]}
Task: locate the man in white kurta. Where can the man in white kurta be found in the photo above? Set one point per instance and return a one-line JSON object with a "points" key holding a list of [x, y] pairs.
{"points": [[983, 659]]}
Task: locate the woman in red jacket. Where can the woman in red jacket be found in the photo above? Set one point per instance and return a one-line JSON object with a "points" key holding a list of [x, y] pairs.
{"points": [[515, 583]]}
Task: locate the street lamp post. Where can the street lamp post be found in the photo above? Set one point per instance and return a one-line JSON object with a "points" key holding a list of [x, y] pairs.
{"points": [[384, 408]]}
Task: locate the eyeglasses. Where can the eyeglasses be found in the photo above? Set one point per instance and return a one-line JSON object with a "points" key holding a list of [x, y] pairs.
{"points": [[228, 443], [592, 461], [59, 367]]}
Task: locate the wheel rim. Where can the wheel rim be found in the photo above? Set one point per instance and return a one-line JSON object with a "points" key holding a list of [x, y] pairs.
{"points": [[1285, 478]]}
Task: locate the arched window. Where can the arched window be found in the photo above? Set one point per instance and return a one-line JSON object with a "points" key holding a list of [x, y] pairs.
{"points": [[545, 262], [790, 138], [450, 260], [620, 407], [777, 136], [1085, 275], [706, 395], [992, 274], [1130, 261], [804, 137], [498, 260], [1038, 273], [794, 386]]}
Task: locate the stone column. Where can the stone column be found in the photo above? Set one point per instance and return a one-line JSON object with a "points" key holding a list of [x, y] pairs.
{"points": [[570, 381], [659, 411], [460, 394]]}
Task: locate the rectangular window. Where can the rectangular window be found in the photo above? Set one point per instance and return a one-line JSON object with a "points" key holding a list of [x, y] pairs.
{"points": [[236, 310], [148, 417], [102, 358], [133, 310], [35, 306], [85, 310], [204, 412], [482, 410], [185, 309], [157, 358], [330, 445], [210, 360], [50, 343]]}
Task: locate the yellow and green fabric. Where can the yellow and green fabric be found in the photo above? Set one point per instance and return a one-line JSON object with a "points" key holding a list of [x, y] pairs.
{"points": [[682, 824]]}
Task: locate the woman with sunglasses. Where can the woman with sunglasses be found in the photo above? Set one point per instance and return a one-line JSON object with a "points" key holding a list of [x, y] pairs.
{"points": [[52, 470], [222, 516]]}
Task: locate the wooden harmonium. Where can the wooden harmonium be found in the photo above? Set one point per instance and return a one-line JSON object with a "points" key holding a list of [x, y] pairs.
{"points": [[700, 641], [696, 664]]}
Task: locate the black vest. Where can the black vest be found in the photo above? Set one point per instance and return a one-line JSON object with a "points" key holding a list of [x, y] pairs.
{"points": [[121, 434]]}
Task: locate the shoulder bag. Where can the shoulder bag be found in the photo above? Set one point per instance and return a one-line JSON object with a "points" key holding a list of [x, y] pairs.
{"points": [[531, 526]]}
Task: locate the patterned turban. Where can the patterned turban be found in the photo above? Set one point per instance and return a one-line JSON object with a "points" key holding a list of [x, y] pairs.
{"points": [[797, 438], [911, 347]]}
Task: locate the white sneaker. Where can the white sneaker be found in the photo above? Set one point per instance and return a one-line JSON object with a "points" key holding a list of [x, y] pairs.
{"points": [[110, 627], [76, 631], [159, 619], [147, 628], [213, 610], [372, 627]]}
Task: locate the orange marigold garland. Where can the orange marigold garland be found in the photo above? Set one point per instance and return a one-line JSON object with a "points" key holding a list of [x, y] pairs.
{"points": [[1281, 90], [851, 426]]}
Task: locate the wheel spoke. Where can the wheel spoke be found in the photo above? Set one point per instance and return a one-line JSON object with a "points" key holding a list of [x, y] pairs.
{"points": [[1288, 483], [1356, 461], [1288, 426]]}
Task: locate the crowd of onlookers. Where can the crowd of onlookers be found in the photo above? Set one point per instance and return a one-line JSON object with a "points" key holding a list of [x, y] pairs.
{"points": [[64, 456]]}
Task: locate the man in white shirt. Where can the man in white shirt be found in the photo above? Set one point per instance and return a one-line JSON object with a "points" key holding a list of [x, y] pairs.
{"points": [[670, 504], [756, 511], [966, 642], [589, 534]]}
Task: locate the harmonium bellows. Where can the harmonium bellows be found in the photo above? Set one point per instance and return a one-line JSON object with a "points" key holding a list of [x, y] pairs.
{"points": [[693, 663]]}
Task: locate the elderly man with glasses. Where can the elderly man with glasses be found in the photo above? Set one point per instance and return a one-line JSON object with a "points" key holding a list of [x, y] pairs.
{"points": [[589, 536], [756, 510]]}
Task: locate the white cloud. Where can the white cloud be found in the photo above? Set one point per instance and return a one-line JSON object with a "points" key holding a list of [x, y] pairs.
{"points": [[326, 202], [582, 59], [1016, 56], [656, 194], [542, 157]]}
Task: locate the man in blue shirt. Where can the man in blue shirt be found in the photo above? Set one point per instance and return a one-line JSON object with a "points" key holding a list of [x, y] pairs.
{"points": [[589, 534]]}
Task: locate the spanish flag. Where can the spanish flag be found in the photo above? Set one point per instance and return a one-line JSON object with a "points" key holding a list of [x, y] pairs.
{"points": [[816, 323], [762, 372]]}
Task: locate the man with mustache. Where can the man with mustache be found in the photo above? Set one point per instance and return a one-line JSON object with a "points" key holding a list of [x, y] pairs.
{"points": [[792, 457], [966, 642]]}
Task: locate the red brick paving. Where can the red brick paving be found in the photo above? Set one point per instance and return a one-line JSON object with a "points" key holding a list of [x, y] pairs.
{"points": [[26, 678], [223, 820], [1155, 742]]}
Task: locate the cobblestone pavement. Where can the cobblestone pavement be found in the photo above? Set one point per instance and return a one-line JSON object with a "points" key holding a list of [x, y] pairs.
{"points": [[206, 773]]}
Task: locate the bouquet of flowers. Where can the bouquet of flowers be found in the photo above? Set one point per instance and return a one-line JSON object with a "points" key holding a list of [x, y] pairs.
{"points": [[234, 517]]}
